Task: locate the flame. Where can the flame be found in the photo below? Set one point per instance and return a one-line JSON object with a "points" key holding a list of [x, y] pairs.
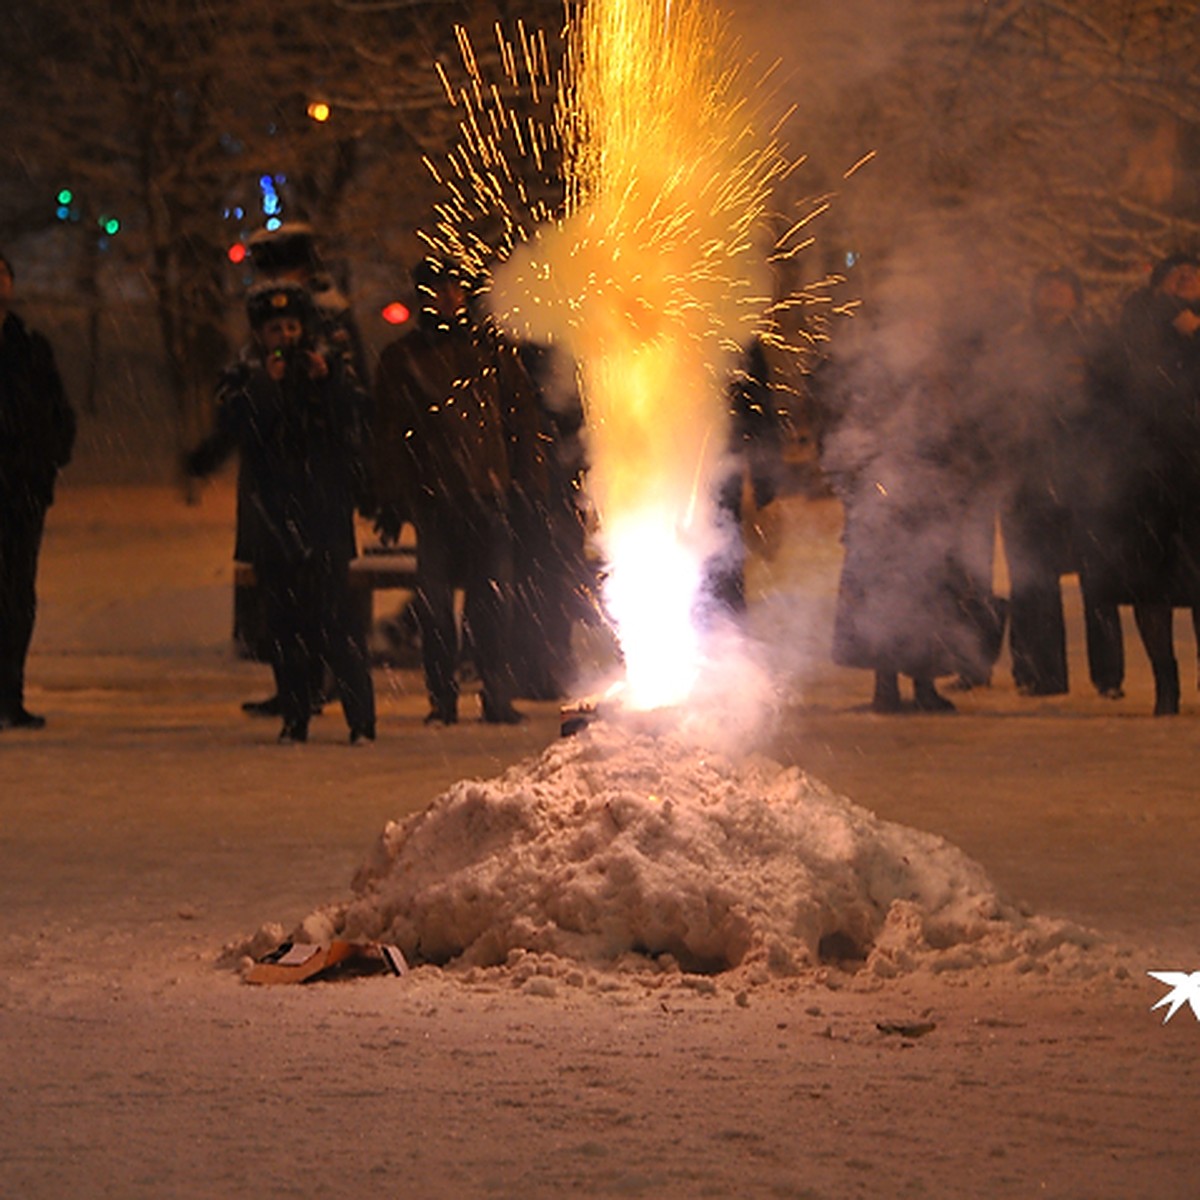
{"points": [[651, 280]]}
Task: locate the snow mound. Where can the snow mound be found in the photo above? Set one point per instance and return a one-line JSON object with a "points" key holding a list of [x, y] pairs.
{"points": [[619, 842]]}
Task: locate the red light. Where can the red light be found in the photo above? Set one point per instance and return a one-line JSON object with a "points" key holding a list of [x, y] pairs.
{"points": [[395, 313], [237, 253]]}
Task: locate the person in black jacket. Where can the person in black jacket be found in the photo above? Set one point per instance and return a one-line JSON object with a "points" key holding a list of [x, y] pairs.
{"points": [[37, 435], [1146, 521], [453, 414], [298, 419], [1051, 423]]}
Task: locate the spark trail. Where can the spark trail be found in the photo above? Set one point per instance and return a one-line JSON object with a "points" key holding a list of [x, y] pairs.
{"points": [[651, 279]]}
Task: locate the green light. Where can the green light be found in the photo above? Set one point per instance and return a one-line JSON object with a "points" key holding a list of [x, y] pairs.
{"points": [[112, 225], [66, 196]]}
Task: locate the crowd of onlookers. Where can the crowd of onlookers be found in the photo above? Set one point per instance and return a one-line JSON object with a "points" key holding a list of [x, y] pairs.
{"points": [[456, 438], [1078, 438], [938, 426]]}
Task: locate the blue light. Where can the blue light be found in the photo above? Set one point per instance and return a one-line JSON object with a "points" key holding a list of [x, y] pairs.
{"points": [[273, 223], [266, 183], [62, 212], [270, 204]]}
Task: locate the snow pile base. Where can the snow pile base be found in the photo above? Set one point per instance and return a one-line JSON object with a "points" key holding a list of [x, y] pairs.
{"points": [[621, 841]]}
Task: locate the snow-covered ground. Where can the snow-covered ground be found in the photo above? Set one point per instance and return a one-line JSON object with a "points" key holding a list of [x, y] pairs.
{"points": [[151, 824]]}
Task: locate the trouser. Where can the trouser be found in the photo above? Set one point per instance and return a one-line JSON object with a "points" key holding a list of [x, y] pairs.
{"points": [[1155, 623], [310, 618], [1038, 636], [1105, 641], [547, 571], [22, 521], [1037, 628], [471, 548]]}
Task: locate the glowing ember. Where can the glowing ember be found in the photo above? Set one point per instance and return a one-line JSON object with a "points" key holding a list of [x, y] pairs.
{"points": [[651, 281]]}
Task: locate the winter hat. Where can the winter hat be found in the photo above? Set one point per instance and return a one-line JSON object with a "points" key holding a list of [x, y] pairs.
{"points": [[1165, 266], [266, 301], [291, 247]]}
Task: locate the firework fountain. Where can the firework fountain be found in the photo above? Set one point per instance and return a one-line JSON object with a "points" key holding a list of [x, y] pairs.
{"points": [[652, 280]]}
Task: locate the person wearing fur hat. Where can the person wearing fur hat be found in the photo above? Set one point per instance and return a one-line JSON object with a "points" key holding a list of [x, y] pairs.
{"points": [[297, 417], [37, 435], [292, 252]]}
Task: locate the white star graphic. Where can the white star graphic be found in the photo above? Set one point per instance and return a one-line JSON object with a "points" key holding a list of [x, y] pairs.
{"points": [[1185, 989]]}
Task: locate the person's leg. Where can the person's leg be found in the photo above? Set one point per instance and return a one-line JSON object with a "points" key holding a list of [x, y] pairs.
{"points": [[1154, 623], [1038, 638], [1105, 642], [488, 615], [433, 606], [927, 699], [21, 527], [345, 652], [1196, 631], [288, 600], [887, 692]]}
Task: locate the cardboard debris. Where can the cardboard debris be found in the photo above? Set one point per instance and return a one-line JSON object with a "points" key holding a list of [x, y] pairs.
{"points": [[300, 962]]}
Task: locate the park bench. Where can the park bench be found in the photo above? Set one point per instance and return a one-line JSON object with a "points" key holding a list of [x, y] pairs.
{"points": [[378, 568]]}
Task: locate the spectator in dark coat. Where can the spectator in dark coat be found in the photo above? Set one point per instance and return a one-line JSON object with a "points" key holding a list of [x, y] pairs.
{"points": [[37, 435], [450, 414], [755, 456], [298, 417], [1145, 544], [552, 584], [1049, 431], [892, 451], [289, 253]]}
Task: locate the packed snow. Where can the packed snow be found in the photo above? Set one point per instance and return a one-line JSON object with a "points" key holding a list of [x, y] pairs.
{"points": [[624, 842]]}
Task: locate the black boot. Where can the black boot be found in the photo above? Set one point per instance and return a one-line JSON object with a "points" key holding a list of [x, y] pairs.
{"points": [[443, 712], [927, 699], [21, 718], [1166, 689], [887, 692], [501, 712]]}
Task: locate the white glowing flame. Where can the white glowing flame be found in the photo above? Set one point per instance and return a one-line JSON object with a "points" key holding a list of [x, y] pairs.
{"points": [[651, 593]]}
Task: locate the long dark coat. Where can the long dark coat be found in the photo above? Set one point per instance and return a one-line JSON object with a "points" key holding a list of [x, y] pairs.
{"points": [[455, 423], [907, 602], [1141, 494], [303, 458]]}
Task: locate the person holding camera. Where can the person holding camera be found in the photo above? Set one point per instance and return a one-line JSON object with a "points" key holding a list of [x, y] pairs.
{"points": [[298, 417]]}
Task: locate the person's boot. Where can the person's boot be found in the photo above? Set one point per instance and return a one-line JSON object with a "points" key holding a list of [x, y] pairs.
{"points": [[887, 693], [442, 712], [1166, 690], [501, 712], [21, 718], [927, 699]]}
